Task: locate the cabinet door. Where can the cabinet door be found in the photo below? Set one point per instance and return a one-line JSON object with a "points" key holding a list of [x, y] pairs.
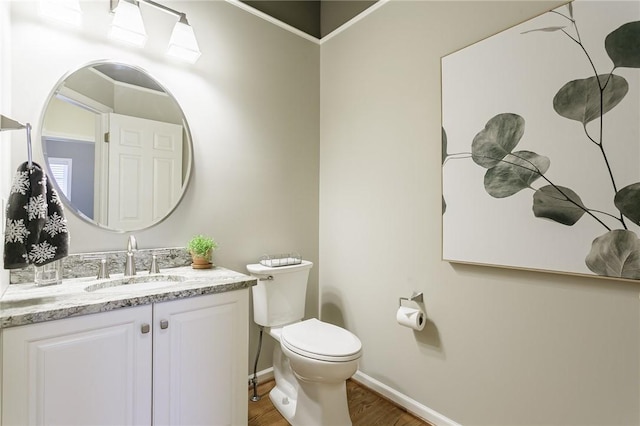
{"points": [[200, 360], [89, 370]]}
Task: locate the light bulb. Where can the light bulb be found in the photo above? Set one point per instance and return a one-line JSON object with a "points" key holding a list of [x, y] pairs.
{"points": [[127, 24], [183, 43]]}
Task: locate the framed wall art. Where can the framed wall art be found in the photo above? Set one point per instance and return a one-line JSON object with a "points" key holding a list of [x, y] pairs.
{"points": [[541, 144]]}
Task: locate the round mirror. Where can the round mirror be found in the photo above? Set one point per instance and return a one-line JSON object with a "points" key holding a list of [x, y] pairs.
{"points": [[117, 145]]}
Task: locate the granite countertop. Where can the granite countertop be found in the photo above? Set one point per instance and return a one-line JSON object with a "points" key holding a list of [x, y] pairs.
{"points": [[27, 303]]}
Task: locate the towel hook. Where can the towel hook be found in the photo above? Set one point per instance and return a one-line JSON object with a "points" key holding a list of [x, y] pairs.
{"points": [[29, 157], [7, 123]]}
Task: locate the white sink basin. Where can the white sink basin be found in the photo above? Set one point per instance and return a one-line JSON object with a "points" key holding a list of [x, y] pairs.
{"points": [[135, 283]]}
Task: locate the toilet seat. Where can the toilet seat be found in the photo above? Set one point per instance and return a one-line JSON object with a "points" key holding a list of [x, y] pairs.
{"points": [[322, 341]]}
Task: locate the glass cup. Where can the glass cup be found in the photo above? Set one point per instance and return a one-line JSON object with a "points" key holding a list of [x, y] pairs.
{"points": [[49, 274]]}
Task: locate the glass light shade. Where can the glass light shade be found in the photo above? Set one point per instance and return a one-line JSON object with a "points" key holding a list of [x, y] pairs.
{"points": [[66, 11], [183, 43], [127, 24]]}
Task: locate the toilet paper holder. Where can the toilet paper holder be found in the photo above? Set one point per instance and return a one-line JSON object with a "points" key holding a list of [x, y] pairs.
{"points": [[416, 297]]}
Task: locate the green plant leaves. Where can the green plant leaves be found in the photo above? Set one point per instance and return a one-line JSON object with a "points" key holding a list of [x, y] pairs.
{"points": [[615, 254], [201, 245], [498, 138], [514, 173], [559, 204], [623, 46], [627, 200], [580, 99]]}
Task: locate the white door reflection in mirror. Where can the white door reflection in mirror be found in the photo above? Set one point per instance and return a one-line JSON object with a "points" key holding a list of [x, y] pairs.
{"points": [[145, 159], [136, 180]]}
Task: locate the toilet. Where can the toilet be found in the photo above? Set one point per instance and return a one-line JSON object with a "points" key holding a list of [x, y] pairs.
{"points": [[313, 359]]}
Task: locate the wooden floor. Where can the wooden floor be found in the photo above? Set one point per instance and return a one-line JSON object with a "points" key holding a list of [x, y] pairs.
{"points": [[366, 408]]}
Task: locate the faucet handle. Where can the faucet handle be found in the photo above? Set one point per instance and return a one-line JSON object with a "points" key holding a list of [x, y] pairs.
{"points": [[103, 270], [154, 268]]}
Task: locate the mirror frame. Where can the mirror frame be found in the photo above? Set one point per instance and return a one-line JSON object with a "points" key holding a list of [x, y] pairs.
{"points": [[187, 132]]}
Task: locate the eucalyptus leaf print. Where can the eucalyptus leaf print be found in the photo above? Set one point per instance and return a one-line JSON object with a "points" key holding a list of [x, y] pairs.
{"points": [[516, 172], [498, 138], [514, 162], [559, 204], [444, 145], [623, 45], [615, 254], [627, 200], [546, 29], [444, 158], [580, 100]]}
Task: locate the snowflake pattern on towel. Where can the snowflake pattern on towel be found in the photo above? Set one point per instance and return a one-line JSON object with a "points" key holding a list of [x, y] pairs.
{"points": [[15, 231], [36, 231], [55, 224], [20, 183], [37, 207], [42, 252], [55, 198]]}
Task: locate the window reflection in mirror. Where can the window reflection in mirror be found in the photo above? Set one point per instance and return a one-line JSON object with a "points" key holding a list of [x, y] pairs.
{"points": [[117, 145]]}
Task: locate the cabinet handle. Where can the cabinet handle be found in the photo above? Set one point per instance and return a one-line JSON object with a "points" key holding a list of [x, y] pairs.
{"points": [[164, 324], [145, 328]]}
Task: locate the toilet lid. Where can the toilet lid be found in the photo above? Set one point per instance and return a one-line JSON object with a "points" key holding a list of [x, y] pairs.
{"points": [[319, 340]]}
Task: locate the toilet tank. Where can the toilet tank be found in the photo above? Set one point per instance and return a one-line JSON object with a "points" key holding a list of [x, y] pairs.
{"points": [[279, 297]]}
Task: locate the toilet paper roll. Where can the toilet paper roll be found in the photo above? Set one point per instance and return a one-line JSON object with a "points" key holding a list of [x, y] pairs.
{"points": [[411, 317]]}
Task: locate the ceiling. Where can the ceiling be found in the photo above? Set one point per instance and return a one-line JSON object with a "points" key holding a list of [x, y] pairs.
{"points": [[317, 18]]}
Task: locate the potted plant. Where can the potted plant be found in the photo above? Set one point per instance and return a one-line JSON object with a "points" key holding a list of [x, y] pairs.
{"points": [[201, 248]]}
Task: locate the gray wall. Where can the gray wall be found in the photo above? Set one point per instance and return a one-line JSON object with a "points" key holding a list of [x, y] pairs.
{"points": [[502, 347], [252, 102]]}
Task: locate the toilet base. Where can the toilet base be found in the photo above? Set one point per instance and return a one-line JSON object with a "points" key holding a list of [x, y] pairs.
{"points": [[285, 405], [321, 404], [310, 399], [317, 405]]}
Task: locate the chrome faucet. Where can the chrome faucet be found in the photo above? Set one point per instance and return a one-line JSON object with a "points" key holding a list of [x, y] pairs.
{"points": [[130, 264]]}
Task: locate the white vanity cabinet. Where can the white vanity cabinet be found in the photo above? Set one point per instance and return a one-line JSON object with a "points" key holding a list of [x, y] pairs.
{"points": [[180, 362], [89, 370], [200, 358]]}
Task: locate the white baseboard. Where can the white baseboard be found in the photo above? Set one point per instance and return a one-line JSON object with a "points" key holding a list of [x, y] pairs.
{"points": [[262, 375], [411, 405]]}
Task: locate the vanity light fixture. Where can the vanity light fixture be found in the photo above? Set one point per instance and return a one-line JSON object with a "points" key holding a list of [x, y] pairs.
{"points": [[127, 23], [66, 11], [183, 43]]}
